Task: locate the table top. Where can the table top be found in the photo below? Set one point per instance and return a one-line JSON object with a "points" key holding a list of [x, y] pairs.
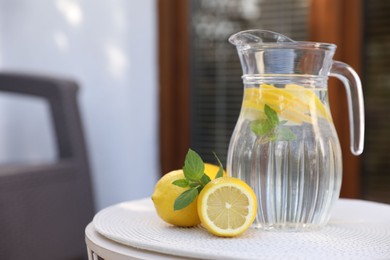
{"points": [[357, 230], [109, 249]]}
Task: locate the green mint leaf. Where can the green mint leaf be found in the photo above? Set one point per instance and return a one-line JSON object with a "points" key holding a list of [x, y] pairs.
{"points": [[285, 134], [185, 199], [193, 166], [220, 170], [181, 183], [205, 179], [271, 115], [261, 127], [283, 122], [219, 173], [194, 184]]}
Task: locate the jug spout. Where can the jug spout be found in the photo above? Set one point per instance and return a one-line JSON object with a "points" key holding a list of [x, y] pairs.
{"points": [[269, 53], [250, 37]]}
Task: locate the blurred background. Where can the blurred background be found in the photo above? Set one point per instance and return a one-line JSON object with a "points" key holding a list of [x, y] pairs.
{"points": [[158, 77], [110, 49], [209, 65]]}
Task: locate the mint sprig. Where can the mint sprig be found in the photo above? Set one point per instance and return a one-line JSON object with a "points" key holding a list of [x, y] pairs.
{"points": [[271, 128], [195, 179], [181, 183], [193, 166], [185, 198], [220, 170]]}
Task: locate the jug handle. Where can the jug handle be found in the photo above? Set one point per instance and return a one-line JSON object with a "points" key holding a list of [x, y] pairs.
{"points": [[354, 91]]}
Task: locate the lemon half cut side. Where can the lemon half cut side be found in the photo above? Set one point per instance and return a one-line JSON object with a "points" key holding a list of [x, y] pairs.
{"points": [[227, 207]]}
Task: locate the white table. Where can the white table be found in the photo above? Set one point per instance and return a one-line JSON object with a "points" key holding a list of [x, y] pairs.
{"points": [[100, 246], [131, 230]]}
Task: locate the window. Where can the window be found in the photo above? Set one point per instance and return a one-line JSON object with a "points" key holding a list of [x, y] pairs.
{"points": [[376, 158], [206, 76], [215, 78]]}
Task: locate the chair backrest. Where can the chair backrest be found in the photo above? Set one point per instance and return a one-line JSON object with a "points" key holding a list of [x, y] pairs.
{"points": [[45, 208]]}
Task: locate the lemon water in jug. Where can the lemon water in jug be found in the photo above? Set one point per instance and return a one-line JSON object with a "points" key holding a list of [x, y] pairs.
{"points": [[284, 144]]}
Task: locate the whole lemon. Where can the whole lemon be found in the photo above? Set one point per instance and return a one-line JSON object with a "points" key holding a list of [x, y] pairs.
{"points": [[165, 194], [211, 170]]}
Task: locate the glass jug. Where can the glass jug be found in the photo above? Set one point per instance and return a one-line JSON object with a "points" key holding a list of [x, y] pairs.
{"points": [[284, 144]]}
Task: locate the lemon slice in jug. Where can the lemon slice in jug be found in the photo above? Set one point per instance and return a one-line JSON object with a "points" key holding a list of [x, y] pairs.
{"points": [[293, 103]]}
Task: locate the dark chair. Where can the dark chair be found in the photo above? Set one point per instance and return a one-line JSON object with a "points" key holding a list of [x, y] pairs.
{"points": [[44, 209]]}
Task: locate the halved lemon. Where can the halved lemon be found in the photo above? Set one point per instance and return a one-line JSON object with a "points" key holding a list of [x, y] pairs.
{"points": [[227, 206]]}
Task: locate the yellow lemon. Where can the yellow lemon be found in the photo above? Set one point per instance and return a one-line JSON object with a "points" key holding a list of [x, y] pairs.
{"points": [[227, 206], [315, 104], [211, 170], [293, 103], [165, 194]]}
